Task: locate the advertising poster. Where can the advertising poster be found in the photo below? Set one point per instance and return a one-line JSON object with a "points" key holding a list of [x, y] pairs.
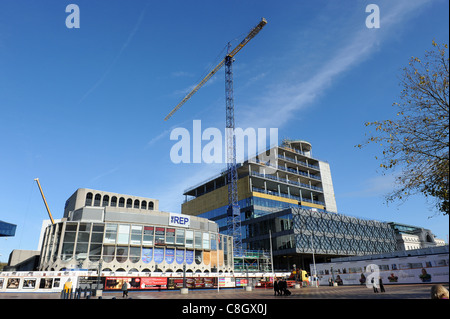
{"points": [[153, 283], [29, 283], [13, 283], [411, 270], [199, 283], [226, 282], [116, 283], [147, 254], [189, 257], [208, 282], [175, 283], [190, 283], [179, 256], [159, 255], [241, 282], [170, 255]]}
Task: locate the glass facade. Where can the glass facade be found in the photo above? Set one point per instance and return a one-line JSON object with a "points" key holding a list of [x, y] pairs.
{"points": [[84, 243], [7, 229]]}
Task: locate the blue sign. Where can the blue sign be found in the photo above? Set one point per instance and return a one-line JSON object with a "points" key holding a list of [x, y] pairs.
{"points": [[170, 255], [159, 255], [179, 220], [189, 257], [147, 254], [179, 256]]}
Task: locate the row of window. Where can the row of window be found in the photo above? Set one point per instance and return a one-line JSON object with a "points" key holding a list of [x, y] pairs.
{"points": [[113, 201], [87, 239]]}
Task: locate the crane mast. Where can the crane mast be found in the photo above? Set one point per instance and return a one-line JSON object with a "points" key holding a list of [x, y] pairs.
{"points": [[233, 210]]}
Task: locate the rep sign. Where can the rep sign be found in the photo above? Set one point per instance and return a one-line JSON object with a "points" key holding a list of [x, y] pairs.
{"points": [[179, 220]]}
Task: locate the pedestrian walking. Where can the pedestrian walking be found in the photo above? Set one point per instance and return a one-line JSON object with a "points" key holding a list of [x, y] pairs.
{"points": [[380, 283], [124, 289], [374, 285], [276, 288], [283, 287]]}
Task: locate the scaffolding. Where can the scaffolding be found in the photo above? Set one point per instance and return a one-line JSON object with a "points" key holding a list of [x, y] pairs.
{"points": [[253, 261]]}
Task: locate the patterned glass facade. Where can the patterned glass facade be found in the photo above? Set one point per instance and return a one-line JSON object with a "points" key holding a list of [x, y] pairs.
{"points": [[337, 234]]}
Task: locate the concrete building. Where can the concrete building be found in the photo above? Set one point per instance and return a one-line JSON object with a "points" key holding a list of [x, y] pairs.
{"points": [[413, 237], [290, 178], [120, 232], [23, 260]]}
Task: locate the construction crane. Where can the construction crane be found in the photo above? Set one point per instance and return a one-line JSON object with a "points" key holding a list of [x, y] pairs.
{"points": [[233, 210], [45, 201]]}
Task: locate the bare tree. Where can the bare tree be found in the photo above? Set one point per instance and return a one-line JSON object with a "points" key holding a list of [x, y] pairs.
{"points": [[417, 142]]}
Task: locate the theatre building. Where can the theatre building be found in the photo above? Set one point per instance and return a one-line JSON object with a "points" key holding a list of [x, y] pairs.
{"points": [[128, 233]]}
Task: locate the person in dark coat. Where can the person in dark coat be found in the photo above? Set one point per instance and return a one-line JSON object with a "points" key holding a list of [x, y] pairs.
{"points": [[276, 288], [125, 289], [283, 287], [380, 283]]}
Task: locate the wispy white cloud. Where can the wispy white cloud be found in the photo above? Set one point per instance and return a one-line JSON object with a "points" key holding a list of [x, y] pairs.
{"points": [[122, 49], [283, 99], [373, 187]]}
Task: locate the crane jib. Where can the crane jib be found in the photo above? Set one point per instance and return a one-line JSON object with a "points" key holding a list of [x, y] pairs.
{"points": [[250, 36]]}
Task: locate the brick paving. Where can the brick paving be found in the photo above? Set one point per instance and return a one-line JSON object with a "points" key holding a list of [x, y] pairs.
{"points": [[420, 291]]}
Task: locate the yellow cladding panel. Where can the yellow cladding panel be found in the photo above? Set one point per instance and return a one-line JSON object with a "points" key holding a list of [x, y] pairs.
{"points": [[215, 199], [286, 200]]}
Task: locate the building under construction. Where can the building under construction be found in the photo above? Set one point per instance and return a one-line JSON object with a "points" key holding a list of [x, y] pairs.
{"points": [[294, 179], [288, 210]]}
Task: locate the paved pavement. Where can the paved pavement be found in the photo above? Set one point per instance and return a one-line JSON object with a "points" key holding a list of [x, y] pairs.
{"points": [[421, 291]]}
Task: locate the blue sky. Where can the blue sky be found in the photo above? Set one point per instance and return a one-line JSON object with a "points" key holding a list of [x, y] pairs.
{"points": [[85, 107]]}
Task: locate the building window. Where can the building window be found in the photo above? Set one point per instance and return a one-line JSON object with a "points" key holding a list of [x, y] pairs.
{"points": [[114, 201], [150, 205], [160, 235], [122, 254], [170, 236], [135, 254], [122, 202], [105, 201], [89, 199], [143, 204], [69, 242], [213, 242], [136, 203], [189, 239], [123, 237], [110, 234], [198, 240], [136, 235], [179, 237], [97, 199], [95, 249], [108, 253], [205, 240], [84, 231], [129, 203], [148, 235]]}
